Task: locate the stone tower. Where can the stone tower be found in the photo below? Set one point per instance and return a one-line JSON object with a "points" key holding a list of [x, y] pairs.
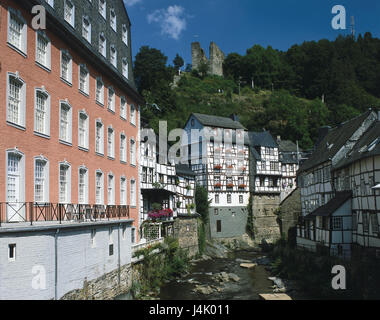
{"points": [[216, 58], [198, 55]]}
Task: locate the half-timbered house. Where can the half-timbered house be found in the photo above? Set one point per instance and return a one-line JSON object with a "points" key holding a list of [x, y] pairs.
{"points": [[326, 212]]}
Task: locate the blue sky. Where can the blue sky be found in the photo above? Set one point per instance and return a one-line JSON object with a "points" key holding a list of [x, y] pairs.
{"points": [[235, 26]]}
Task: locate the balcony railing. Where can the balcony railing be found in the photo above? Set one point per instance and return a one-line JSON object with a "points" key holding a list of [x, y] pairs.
{"points": [[39, 212]]}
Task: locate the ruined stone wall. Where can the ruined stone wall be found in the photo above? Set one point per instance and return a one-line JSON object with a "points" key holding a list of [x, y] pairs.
{"points": [[216, 60], [265, 223], [186, 231], [198, 55]]}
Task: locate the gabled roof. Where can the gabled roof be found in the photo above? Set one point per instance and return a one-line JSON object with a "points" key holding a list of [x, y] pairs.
{"points": [[288, 157], [368, 145], [287, 146], [262, 139], [217, 121], [334, 140], [330, 207]]}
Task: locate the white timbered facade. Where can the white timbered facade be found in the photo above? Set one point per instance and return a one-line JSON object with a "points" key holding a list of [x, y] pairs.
{"points": [[326, 211]]}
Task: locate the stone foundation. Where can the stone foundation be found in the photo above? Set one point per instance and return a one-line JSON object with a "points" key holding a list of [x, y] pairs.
{"points": [[264, 218], [108, 286], [186, 231]]}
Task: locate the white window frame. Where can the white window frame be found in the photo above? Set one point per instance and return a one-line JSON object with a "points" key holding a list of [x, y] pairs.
{"points": [[101, 98], [69, 79], [22, 47], [132, 113], [101, 200], [132, 192], [111, 99], [111, 188], [50, 3], [45, 193], [132, 151], [111, 146], [67, 139], [123, 186], [104, 51], [123, 108], [72, 20], [85, 90], [84, 20], [103, 9], [85, 200], [113, 20], [125, 34], [42, 35], [123, 147], [46, 131], [67, 199], [101, 145], [113, 55], [86, 130], [125, 68], [22, 97]]}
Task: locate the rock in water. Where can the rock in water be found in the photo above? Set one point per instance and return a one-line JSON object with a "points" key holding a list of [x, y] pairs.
{"points": [[248, 265], [234, 277]]}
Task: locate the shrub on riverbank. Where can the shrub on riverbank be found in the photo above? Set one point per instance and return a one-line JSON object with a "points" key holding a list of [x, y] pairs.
{"points": [[158, 266]]}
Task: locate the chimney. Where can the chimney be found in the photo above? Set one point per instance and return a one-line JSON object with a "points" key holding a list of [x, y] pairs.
{"points": [[234, 117]]}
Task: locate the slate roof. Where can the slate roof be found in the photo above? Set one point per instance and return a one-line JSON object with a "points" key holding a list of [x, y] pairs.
{"points": [[217, 121], [368, 145], [330, 207], [260, 139], [184, 170], [287, 146], [288, 158], [334, 140]]}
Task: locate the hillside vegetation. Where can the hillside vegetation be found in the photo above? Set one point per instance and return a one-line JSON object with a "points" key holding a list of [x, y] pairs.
{"points": [[294, 92]]}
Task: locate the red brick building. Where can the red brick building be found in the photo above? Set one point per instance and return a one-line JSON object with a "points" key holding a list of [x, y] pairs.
{"points": [[69, 108]]}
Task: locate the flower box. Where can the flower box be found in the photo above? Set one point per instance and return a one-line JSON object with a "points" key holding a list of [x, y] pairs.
{"points": [[242, 186], [217, 167], [217, 185], [162, 214], [230, 185]]}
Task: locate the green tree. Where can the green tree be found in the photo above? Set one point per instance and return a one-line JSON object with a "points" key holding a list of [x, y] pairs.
{"points": [[202, 202], [178, 62]]}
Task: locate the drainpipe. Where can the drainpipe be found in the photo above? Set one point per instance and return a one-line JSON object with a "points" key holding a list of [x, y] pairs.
{"points": [[56, 264], [118, 252]]}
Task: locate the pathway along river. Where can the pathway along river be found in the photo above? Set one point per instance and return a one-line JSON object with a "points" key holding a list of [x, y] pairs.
{"points": [[251, 282]]}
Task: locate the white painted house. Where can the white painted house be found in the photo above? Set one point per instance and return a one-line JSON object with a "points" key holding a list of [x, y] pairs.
{"points": [[218, 153], [326, 212]]}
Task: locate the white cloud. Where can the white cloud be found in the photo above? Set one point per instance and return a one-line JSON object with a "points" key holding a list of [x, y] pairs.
{"points": [[130, 3], [171, 20]]}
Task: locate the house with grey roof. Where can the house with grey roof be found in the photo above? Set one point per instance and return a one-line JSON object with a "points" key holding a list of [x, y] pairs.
{"points": [[326, 220], [359, 174], [217, 151]]}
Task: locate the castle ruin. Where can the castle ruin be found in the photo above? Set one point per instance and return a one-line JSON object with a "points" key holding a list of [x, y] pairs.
{"points": [[216, 58]]}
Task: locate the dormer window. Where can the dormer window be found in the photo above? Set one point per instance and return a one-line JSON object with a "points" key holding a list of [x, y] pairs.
{"points": [[102, 44], [69, 12], [102, 8], [86, 29], [113, 19], [125, 34], [125, 68], [113, 56]]}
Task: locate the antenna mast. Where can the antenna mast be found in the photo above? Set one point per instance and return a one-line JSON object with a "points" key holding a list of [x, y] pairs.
{"points": [[353, 27]]}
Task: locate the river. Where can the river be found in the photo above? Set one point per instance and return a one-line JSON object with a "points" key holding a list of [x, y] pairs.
{"points": [[250, 282]]}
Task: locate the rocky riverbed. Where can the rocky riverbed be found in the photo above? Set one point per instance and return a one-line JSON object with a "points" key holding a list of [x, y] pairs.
{"points": [[226, 272]]}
